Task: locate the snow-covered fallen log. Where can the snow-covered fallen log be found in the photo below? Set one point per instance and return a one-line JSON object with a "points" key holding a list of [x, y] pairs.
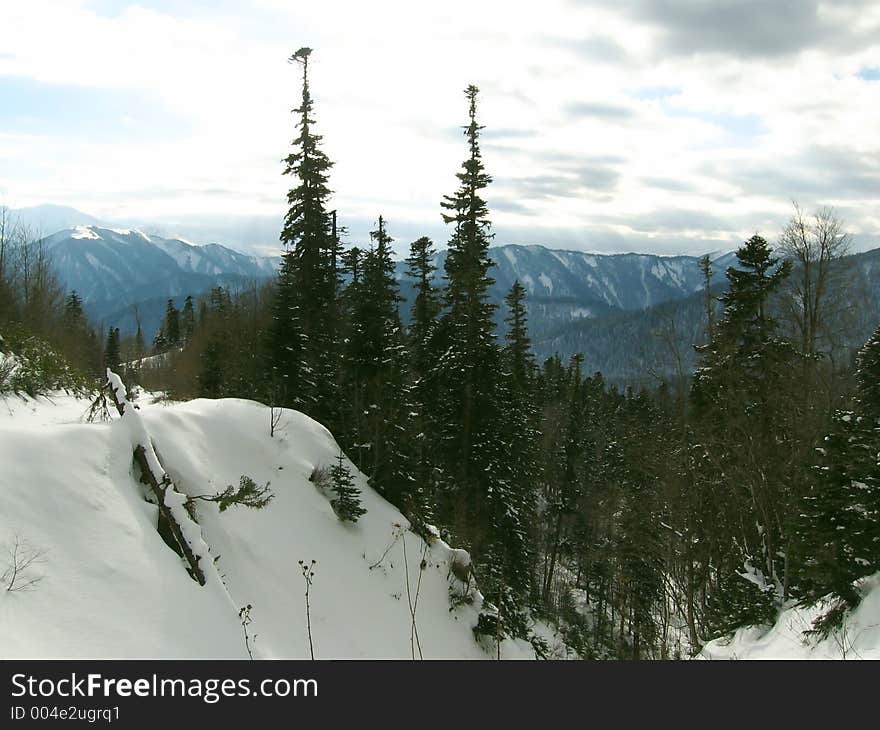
{"points": [[172, 510]]}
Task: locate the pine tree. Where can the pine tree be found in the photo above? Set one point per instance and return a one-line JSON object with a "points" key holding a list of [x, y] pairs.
{"points": [[73, 311], [838, 529], [111, 349], [188, 319], [422, 339], [76, 336], [140, 348], [376, 373], [868, 377], [522, 435], [347, 503], [303, 339], [479, 499], [426, 306], [172, 324], [748, 421], [518, 348], [468, 366]]}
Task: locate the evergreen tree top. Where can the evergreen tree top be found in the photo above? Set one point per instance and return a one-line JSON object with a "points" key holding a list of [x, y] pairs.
{"points": [[750, 287], [307, 224], [467, 260], [868, 377]]}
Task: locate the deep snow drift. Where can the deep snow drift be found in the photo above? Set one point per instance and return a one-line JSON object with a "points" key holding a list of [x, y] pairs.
{"points": [[108, 586], [858, 637]]}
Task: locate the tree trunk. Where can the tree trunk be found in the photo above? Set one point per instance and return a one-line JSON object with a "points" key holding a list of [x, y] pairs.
{"points": [[159, 485]]}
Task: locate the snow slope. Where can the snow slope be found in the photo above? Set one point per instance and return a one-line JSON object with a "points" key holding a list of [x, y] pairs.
{"points": [[857, 638], [108, 586]]}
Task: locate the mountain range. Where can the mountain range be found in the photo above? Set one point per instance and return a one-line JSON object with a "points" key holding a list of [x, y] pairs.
{"points": [[632, 315], [113, 270]]}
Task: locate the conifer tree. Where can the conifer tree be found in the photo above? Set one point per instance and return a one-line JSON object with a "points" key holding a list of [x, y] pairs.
{"points": [[111, 349], [868, 378], [747, 415], [73, 311], [188, 319], [518, 347], [838, 529], [426, 306], [140, 347], [479, 499], [77, 337], [347, 503], [468, 366], [302, 339], [172, 324], [422, 339], [376, 365]]}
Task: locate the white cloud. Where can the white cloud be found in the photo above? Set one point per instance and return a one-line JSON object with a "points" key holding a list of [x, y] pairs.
{"points": [[563, 79]]}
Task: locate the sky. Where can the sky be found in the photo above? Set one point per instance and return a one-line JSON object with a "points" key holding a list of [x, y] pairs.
{"points": [[666, 126]]}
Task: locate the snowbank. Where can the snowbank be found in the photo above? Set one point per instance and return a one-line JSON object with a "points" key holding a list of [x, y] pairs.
{"points": [[108, 586], [857, 638]]}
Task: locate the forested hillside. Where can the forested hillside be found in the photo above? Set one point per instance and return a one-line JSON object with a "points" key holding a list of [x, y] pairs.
{"points": [[735, 481]]}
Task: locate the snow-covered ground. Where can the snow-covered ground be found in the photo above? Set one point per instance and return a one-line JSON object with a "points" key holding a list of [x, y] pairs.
{"points": [[857, 638], [106, 585]]}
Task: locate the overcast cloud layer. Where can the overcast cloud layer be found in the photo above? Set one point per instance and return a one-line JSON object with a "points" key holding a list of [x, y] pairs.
{"points": [[673, 126]]}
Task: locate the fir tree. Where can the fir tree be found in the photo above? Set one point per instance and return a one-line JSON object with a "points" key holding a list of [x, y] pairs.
{"points": [[748, 418], [111, 349], [77, 337], [140, 347], [426, 306], [422, 342], [468, 366], [73, 311], [347, 503], [188, 319], [376, 365], [868, 377], [838, 529], [479, 499], [302, 340], [172, 324], [518, 347]]}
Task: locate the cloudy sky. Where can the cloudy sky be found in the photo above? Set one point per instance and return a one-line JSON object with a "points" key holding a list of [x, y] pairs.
{"points": [[673, 126]]}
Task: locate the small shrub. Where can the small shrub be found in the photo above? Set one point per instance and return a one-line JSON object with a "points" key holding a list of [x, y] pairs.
{"points": [[248, 494]]}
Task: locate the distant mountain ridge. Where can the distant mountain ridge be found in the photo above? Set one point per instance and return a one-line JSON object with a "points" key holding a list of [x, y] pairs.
{"points": [[567, 286], [113, 269]]}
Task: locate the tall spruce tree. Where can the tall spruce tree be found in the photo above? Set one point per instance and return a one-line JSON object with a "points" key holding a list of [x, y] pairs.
{"points": [[376, 373], [422, 343], [172, 324], [468, 365], [838, 529], [521, 432], [111, 349], [188, 320], [747, 416], [426, 305], [302, 338], [478, 499], [77, 337]]}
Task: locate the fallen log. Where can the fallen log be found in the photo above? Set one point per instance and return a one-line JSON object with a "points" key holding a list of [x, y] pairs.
{"points": [[171, 510]]}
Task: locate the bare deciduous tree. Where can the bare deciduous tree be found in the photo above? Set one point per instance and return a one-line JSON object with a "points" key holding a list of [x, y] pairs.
{"points": [[21, 559], [817, 246]]}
